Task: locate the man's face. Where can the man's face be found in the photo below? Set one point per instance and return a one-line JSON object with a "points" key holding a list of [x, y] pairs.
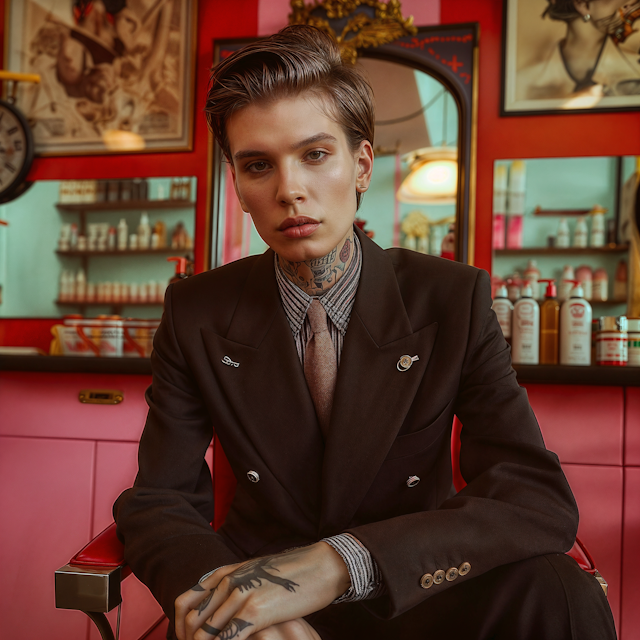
{"points": [[295, 173]]}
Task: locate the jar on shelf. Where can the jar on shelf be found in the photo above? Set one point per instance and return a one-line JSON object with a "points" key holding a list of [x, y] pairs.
{"points": [[633, 329], [612, 347]]}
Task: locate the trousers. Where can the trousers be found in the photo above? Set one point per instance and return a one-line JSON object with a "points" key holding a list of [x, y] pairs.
{"points": [[543, 598]]}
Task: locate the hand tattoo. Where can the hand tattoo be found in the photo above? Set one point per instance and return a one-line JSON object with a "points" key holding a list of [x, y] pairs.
{"points": [[205, 603], [252, 572], [198, 587], [232, 630]]}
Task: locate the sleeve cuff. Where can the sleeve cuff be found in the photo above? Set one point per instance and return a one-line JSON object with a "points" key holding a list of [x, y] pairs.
{"points": [[366, 581]]}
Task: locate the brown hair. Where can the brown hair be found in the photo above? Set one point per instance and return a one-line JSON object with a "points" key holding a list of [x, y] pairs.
{"points": [[296, 59], [561, 10]]}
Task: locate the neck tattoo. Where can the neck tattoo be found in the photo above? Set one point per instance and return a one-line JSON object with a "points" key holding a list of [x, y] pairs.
{"points": [[316, 276]]}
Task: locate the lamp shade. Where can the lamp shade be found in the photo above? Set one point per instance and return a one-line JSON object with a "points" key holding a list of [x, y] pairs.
{"points": [[433, 178]]}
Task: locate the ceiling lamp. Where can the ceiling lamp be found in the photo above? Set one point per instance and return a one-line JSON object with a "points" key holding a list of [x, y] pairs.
{"points": [[433, 177]]}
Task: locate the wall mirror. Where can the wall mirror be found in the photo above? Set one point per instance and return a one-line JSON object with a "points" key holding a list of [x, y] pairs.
{"points": [[422, 194], [94, 247]]}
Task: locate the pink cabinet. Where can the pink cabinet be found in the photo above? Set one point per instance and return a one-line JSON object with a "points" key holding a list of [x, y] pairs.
{"points": [[62, 465]]}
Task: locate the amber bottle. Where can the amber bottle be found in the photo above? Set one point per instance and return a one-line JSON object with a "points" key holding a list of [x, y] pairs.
{"points": [[549, 325]]}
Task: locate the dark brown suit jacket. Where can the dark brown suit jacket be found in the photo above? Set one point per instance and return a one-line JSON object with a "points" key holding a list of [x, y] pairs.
{"points": [[386, 425]]}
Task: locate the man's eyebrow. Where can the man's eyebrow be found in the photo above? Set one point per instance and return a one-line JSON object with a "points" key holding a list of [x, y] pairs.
{"points": [[318, 137]]}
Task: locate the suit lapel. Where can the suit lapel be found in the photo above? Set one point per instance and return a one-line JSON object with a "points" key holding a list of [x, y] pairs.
{"points": [[268, 391], [372, 396]]}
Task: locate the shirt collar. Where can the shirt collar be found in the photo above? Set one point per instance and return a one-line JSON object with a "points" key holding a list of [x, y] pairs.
{"points": [[337, 301]]}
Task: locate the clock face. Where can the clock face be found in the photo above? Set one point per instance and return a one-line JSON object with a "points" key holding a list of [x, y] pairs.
{"points": [[16, 148]]}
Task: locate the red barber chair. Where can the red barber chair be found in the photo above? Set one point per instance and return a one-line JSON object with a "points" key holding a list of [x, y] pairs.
{"points": [[91, 581]]}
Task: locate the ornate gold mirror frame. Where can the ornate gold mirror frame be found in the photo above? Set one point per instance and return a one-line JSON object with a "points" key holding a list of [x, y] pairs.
{"points": [[373, 29]]}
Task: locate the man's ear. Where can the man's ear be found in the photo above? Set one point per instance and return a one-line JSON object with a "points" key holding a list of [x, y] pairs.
{"points": [[364, 159], [235, 186]]}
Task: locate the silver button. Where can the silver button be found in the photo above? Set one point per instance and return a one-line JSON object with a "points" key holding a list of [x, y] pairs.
{"points": [[412, 481], [253, 476]]}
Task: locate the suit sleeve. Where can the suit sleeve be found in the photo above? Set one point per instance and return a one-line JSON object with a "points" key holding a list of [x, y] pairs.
{"points": [[164, 520], [517, 503]]}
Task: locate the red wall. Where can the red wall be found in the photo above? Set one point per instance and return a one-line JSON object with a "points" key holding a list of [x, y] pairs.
{"points": [[525, 137]]}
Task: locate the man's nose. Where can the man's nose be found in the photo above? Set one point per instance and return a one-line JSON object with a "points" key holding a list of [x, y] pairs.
{"points": [[290, 188]]}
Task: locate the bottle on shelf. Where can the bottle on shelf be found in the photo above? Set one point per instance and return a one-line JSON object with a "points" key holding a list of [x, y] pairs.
{"points": [[633, 341], [525, 342], [562, 237], [612, 342], [532, 275], [503, 309], [144, 231], [123, 234], [181, 269], [514, 284], [566, 283], [585, 276], [575, 329], [620, 282], [515, 204], [597, 237], [581, 233], [549, 324], [81, 286], [600, 286]]}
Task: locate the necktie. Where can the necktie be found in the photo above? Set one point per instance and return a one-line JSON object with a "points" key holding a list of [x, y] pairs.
{"points": [[320, 366]]}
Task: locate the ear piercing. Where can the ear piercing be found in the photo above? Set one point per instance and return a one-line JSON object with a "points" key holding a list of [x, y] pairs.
{"points": [[586, 17]]}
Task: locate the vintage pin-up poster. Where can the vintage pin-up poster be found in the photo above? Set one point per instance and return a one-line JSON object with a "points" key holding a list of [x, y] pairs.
{"points": [[570, 55], [116, 75]]}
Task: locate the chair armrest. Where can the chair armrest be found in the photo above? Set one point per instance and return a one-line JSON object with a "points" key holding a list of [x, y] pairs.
{"points": [[582, 556], [91, 580]]}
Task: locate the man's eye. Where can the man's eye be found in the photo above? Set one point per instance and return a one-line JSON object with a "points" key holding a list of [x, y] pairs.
{"points": [[316, 155], [257, 167]]}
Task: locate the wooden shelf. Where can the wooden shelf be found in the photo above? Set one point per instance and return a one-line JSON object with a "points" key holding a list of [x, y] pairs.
{"points": [[539, 211], [74, 364], [126, 252], [563, 374], [109, 304], [550, 251], [124, 205]]}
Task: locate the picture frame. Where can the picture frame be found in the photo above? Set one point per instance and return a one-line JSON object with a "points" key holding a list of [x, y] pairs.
{"points": [[542, 73], [119, 82]]}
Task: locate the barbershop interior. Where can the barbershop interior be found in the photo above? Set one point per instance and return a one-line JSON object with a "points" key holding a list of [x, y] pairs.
{"points": [[505, 139]]}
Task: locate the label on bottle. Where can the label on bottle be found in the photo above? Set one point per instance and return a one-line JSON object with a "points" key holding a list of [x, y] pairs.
{"points": [[634, 349], [503, 311], [575, 343], [612, 348], [526, 346]]}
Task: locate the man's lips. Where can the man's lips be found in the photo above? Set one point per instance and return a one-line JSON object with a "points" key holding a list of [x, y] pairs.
{"points": [[298, 221], [298, 227]]}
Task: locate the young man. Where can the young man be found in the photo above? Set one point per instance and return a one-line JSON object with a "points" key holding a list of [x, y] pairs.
{"points": [[331, 371]]}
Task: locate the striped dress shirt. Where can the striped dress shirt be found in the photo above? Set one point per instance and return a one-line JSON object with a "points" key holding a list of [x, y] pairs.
{"points": [[338, 302]]}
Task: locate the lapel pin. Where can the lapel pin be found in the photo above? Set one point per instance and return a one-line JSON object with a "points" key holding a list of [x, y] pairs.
{"points": [[404, 364], [229, 362]]}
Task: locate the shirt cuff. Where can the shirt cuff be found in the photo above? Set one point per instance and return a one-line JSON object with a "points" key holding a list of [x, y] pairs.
{"points": [[366, 581]]}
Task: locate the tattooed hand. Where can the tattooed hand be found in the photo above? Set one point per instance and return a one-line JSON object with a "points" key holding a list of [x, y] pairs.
{"points": [[271, 594]]}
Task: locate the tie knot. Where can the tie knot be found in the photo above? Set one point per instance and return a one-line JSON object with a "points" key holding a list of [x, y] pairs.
{"points": [[317, 317]]}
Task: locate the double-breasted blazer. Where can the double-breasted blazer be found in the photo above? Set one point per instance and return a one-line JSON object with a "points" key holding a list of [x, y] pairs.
{"points": [[386, 425]]}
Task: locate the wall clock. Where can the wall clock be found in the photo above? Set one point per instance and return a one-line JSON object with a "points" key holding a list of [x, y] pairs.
{"points": [[16, 150]]}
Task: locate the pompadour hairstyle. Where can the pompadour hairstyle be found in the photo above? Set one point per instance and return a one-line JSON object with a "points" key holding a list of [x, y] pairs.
{"points": [[297, 59]]}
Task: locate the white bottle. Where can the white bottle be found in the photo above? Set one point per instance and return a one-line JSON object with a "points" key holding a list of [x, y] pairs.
{"points": [[597, 230], [525, 343], [566, 283], [562, 238], [81, 286], [581, 233], [504, 311], [575, 329], [123, 235], [532, 275], [144, 231]]}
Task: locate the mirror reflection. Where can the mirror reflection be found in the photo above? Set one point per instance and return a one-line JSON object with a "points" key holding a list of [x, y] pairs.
{"points": [[412, 198], [94, 247]]}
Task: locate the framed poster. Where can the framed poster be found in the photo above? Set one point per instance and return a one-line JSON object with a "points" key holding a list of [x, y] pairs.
{"points": [[117, 76], [570, 56]]}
